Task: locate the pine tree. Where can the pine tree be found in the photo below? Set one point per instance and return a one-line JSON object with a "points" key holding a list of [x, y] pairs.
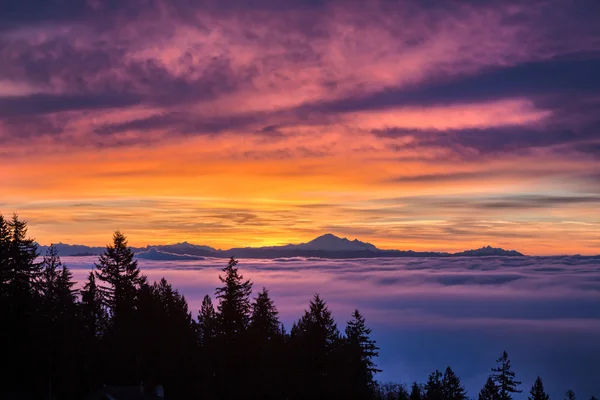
{"points": [[58, 313], [94, 320], [234, 302], [233, 315], [489, 391], [593, 398], [537, 391], [415, 392], [119, 271], [570, 395], [92, 307], [264, 321], [315, 339], [433, 386], [452, 389], [266, 348], [207, 321], [20, 307], [360, 351], [504, 378], [5, 239], [22, 252], [122, 282]]}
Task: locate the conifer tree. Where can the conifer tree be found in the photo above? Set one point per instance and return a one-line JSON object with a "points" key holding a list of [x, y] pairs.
{"points": [[234, 302], [537, 391], [433, 386], [266, 348], [360, 351], [20, 307], [5, 239], [233, 315], [452, 389], [58, 321], [504, 378], [489, 391], [119, 271], [94, 320], [570, 395], [121, 283], [264, 321], [593, 398], [315, 339], [207, 321], [92, 308], [415, 392]]}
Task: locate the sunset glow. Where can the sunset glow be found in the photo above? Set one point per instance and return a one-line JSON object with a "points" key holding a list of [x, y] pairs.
{"points": [[410, 125]]}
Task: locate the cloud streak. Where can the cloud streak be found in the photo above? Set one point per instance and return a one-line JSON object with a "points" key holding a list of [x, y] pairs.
{"points": [[276, 106]]}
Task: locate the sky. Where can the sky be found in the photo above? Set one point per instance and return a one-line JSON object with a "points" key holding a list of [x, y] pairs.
{"points": [[419, 125], [429, 313]]}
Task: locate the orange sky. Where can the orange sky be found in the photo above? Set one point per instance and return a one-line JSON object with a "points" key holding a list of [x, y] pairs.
{"points": [[254, 128]]}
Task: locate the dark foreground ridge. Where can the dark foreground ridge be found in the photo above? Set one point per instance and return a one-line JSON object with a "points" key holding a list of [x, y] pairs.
{"points": [[123, 337], [325, 246]]}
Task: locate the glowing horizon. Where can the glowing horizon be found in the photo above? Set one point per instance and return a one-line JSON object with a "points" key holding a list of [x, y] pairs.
{"points": [[407, 125]]}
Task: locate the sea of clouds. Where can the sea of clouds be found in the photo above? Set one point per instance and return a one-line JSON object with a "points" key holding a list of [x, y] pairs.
{"points": [[428, 313]]}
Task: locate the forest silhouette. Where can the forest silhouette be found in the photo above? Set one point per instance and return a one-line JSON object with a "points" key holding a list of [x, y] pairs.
{"points": [[119, 330]]}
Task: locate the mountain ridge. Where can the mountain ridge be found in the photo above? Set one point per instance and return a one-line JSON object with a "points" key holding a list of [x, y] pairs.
{"points": [[325, 246]]}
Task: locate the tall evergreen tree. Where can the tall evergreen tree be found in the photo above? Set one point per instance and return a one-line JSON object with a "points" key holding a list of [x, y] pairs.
{"points": [[489, 391], [452, 389], [207, 322], [233, 315], [264, 321], [504, 377], [119, 271], [266, 348], [415, 392], [20, 307], [165, 319], [360, 351], [121, 283], [570, 395], [433, 386], [537, 391], [5, 240], [234, 302], [315, 340], [60, 325]]}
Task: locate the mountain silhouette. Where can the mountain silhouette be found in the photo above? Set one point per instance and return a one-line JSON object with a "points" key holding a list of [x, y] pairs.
{"points": [[324, 246]]}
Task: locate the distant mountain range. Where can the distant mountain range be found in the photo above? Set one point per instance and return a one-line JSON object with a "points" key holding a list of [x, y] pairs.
{"points": [[325, 246]]}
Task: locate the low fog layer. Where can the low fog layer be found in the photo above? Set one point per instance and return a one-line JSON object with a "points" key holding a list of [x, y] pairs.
{"points": [[428, 313]]}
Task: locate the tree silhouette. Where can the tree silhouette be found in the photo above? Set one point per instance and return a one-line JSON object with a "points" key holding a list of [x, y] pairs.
{"points": [[21, 321], [315, 339], [360, 351], [58, 313], [504, 378], [120, 274], [415, 392], [264, 321], [121, 283], [233, 316], [234, 302], [93, 318], [433, 386], [537, 391], [570, 395], [207, 322], [489, 391], [266, 348], [452, 389]]}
